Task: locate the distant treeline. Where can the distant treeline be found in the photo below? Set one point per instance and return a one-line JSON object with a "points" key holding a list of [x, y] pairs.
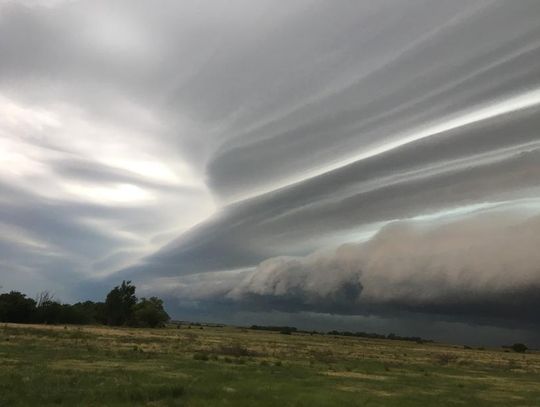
{"points": [[380, 336], [199, 324], [291, 329], [120, 308], [282, 329]]}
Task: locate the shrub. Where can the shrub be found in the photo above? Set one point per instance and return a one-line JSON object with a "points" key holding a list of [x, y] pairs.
{"points": [[201, 356], [445, 358], [235, 349]]}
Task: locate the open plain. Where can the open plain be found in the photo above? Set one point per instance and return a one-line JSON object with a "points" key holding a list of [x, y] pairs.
{"points": [[227, 366]]}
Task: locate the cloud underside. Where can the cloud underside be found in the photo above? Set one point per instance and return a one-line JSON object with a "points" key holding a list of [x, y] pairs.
{"points": [[448, 230], [474, 267]]}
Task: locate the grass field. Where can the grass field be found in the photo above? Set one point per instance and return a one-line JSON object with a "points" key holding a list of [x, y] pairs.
{"points": [[98, 366]]}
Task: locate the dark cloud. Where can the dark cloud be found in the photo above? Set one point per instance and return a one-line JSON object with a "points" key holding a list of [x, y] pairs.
{"points": [[476, 268]]}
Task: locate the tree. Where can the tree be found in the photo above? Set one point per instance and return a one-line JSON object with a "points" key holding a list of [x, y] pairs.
{"points": [[50, 312], [43, 298], [89, 312], [16, 307], [120, 303], [150, 313], [120, 308], [519, 347]]}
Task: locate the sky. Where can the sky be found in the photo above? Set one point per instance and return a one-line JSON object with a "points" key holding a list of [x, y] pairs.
{"points": [[354, 165]]}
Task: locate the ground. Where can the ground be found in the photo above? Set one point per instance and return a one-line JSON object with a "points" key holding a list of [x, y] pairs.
{"points": [[225, 366]]}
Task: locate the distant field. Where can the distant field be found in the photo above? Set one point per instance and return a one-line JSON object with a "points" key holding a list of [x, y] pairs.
{"points": [[97, 366]]}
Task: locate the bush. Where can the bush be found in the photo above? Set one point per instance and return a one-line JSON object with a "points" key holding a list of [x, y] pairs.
{"points": [[236, 350], [201, 356], [445, 358]]}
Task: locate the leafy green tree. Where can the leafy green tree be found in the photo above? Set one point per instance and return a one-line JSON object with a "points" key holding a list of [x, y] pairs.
{"points": [[150, 313], [120, 304]]}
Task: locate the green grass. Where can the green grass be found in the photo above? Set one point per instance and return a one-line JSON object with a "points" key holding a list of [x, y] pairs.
{"points": [[97, 366]]}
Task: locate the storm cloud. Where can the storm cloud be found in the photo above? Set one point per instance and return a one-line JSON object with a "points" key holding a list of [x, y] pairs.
{"points": [[476, 265], [347, 159]]}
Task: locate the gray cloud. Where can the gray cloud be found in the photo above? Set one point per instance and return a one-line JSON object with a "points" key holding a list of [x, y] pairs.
{"points": [[420, 81], [481, 164], [484, 267]]}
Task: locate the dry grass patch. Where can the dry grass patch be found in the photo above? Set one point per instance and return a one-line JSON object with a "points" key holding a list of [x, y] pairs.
{"points": [[357, 375]]}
